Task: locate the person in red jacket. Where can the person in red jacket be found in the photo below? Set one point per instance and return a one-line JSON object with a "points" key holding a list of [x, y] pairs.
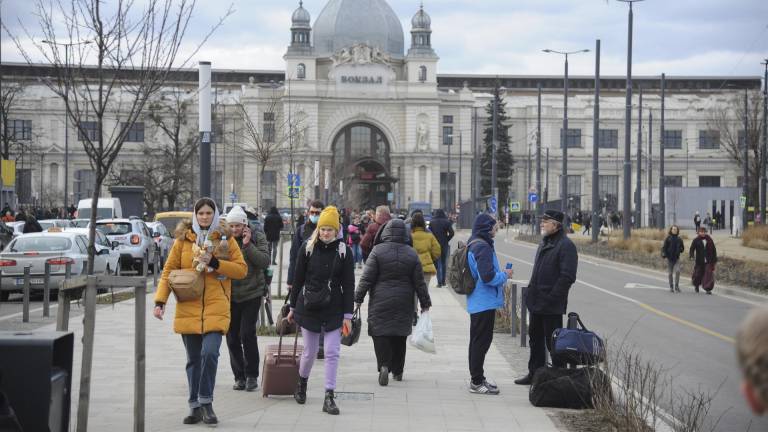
{"points": [[382, 217]]}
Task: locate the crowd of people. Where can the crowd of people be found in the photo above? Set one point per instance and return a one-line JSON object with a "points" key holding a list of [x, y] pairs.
{"points": [[399, 258]]}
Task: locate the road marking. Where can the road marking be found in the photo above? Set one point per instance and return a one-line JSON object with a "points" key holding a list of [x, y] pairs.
{"points": [[646, 307], [633, 285], [18, 314]]}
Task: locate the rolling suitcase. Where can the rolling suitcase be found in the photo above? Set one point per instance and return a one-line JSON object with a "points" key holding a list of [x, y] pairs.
{"points": [[281, 368]]}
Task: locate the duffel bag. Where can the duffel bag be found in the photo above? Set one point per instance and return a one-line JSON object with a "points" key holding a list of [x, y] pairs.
{"points": [[577, 345], [568, 388]]}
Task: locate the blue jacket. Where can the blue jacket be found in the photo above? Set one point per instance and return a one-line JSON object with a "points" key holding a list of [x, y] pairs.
{"points": [[489, 286]]}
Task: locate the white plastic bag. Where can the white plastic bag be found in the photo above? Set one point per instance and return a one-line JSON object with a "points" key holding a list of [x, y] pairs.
{"points": [[422, 337]]}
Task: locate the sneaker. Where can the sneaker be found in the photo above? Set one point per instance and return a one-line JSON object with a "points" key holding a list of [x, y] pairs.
{"points": [[239, 385], [483, 388]]}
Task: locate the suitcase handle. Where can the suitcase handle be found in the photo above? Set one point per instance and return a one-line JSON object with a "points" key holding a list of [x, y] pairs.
{"points": [[280, 343]]}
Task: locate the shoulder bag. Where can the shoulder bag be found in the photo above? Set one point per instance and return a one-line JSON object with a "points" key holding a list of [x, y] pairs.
{"points": [[186, 284]]}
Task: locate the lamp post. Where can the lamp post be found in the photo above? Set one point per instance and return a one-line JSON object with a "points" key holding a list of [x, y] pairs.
{"points": [[66, 110], [627, 207], [539, 208], [745, 156], [596, 149], [764, 157], [564, 135]]}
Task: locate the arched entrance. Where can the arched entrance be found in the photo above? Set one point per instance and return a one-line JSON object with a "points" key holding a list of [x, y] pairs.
{"points": [[361, 167]]}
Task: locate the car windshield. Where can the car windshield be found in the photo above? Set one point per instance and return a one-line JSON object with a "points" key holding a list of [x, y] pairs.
{"points": [[81, 223], [41, 244], [118, 228]]}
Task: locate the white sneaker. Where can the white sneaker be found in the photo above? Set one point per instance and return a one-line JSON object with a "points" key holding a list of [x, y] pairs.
{"points": [[484, 388]]}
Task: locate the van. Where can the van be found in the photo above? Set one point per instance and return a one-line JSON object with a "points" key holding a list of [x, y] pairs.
{"points": [[171, 219], [107, 208]]}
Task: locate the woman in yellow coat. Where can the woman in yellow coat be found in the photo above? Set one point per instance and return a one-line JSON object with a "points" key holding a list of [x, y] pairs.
{"points": [[426, 246], [202, 322]]}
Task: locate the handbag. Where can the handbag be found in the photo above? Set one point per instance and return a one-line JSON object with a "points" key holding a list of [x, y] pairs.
{"points": [[354, 332], [577, 345], [186, 284], [283, 327]]}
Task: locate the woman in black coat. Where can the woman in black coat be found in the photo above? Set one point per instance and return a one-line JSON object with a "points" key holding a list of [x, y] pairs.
{"points": [[392, 275]]}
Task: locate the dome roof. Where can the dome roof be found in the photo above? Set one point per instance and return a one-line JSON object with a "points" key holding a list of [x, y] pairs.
{"points": [[343, 23], [421, 21], [300, 16]]}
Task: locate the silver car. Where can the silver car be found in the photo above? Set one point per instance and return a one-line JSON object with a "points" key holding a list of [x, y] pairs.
{"points": [[135, 242], [112, 255], [163, 240], [37, 249]]}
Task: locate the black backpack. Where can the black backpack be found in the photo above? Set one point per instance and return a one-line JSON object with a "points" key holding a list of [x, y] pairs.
{"points": [[459, 275]]}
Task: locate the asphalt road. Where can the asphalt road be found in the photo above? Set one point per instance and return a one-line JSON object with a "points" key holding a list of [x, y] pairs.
{"points": [[689, 335]]}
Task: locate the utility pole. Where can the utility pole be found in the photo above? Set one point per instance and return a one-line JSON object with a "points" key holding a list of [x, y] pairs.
{"points": [[764, 158], [449, 181], [204, 70], [662, 222], [639, 187], [745, 160], [650, 168], [475, 163], [596, 149], [539, 207], [494, 192], [627, 207], [546, 187]]}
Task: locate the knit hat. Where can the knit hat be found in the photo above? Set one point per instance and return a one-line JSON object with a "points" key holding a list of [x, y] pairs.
{"points": [[329, 217], [237, 215]]}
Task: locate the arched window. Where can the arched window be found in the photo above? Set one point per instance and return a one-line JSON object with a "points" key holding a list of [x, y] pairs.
{"points": [[357, 142], [422, 73], [301, 71]]}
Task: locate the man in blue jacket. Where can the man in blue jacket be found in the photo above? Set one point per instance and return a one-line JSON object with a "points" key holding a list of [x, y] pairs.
{"points": [[482, 303], [554, 271]]}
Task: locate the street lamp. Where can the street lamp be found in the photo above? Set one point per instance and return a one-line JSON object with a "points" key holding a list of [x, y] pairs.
{"points": [[66, 110], [451, 204], [564, 179]]}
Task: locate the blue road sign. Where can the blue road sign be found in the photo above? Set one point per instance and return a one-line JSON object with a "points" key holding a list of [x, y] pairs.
{"points": [[533, 197], [493, 205], [233, 197], [294, 180]]}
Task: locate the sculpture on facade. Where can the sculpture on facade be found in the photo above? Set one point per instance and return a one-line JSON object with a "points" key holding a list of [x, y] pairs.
{"points": [[361, 54], [422, 136]]}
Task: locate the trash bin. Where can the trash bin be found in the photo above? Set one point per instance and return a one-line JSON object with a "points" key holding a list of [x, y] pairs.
{"points": [[36, 371]]}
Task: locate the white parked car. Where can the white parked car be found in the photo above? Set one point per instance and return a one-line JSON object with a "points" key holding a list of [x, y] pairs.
{"points": [[162, 238], [111, 257], [134, 240]]}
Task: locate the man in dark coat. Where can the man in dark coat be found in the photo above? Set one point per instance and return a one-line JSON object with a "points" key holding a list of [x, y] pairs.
{"points": [[442, 229], [273, 224], [392, 275], [382, 217], [554, 271], [671, 250], [704, 251]]}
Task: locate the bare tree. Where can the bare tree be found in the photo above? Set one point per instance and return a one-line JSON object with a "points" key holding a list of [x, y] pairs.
{"points": [[107, 83], [266, 143], [9, 98], [727, 121]]}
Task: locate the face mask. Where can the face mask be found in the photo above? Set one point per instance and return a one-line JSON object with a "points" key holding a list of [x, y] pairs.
{"points": [[314, 218]]}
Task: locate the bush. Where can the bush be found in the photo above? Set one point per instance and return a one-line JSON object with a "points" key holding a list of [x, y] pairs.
{"points": [[756, 237]]}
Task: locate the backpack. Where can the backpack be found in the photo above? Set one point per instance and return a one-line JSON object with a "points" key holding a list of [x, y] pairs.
{"points": [[459, 275]]}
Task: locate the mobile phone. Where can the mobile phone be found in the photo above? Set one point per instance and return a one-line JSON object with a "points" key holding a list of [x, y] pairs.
{"points": [[509, 266]]}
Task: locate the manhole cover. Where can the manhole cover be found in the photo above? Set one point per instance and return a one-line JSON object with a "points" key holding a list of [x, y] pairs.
{"points": [[354, 396]]}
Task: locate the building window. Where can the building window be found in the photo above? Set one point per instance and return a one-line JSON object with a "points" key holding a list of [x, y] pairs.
{"points": [[447, 190], [709, 181], [574, 138], [135, 133], [84, 184], [448, 119], [301, 71], [87, 131], [709, 139], [268, 128], [20, 129], [53, 175], [574, 192], [24, 185], [677, 181], [673, 139], [608, 139], [268, 189], [422, 73], [447, 135], [608, 189]]}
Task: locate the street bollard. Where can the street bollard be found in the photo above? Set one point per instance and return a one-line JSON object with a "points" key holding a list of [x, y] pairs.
{"points": [[513, 310], [523, 319], [145, 267], [25, 310], [62, 314], [47, 291], [156, 269]]}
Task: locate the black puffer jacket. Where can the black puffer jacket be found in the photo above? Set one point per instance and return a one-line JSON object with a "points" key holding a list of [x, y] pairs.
{"points": [[316, 268], [392, 274]]}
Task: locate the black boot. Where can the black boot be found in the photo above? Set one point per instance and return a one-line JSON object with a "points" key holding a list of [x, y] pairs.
{"points": [[251, 384], [239, 385], [301, 391], [194, 416], [209, 417], [329, 406]]}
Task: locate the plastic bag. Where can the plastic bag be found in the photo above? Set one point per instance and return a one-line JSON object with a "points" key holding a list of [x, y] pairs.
{"points": [[422, 337]]}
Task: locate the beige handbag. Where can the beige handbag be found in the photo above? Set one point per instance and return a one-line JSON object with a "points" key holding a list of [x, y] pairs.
{"points": [[186, 284]]}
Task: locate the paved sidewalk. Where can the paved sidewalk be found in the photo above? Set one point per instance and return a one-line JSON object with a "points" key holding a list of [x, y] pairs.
{"points": [[432, 397]]}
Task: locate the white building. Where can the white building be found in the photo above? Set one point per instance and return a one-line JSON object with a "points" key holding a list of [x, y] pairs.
{"points": [[363, 113]]}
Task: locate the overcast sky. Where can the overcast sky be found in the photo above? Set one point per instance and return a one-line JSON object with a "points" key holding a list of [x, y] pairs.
{"points": [[679, 37]]}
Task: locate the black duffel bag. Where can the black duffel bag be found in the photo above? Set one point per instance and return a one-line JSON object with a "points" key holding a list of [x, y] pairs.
{"points": [[568, 388]]}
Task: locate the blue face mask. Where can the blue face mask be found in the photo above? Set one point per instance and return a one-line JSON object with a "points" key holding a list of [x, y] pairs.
{"points": [[314, 219]]}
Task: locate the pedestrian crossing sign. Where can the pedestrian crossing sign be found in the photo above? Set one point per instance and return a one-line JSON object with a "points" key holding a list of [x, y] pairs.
{"points": [[514, 207], [294, 192]]}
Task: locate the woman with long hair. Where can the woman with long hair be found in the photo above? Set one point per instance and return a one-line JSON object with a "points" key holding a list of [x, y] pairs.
{"points": [[207, 247]]}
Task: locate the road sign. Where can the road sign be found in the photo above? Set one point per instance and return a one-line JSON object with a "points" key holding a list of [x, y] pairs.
{"points": [[743, 201], [514, 206], [533, 197], [493, 205], [294, 180], [294, 192], [233, 197]]}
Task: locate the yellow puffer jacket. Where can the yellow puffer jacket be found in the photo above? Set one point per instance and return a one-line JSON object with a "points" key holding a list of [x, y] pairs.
{"points": [[427, 247], [209, 313]]}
